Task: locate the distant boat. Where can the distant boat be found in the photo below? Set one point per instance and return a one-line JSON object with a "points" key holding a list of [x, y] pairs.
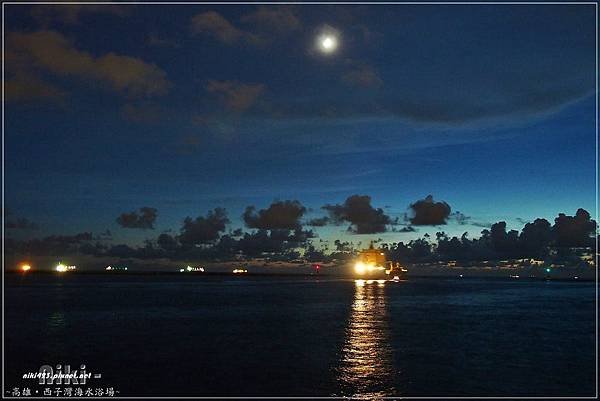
{"points": [[372, 263]]}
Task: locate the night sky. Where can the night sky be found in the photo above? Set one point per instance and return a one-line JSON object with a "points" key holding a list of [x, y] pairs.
{"points": [[184, 108]]}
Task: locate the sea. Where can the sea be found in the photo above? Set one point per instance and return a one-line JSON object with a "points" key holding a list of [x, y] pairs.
{"points": [[300, 336]]}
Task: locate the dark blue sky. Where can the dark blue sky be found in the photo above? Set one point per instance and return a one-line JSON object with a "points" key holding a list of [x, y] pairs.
{"points": [[490, 108]]}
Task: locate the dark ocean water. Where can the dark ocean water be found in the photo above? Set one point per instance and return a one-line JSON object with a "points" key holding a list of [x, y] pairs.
{"points": [[265, 336]]}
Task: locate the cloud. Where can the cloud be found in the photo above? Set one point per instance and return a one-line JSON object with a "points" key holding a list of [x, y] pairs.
{"points": [[363, 217], [21, 224], [214, 24], [281, 215], [53, 245], [481, 224], [72, 13], [106, 235], [280, 19], [143, 220], [426, 212], [51, 52], [203, 230], [25, 86], [268, 23], [574, 231], [132, 75], [236, 96], [405, 229], [318, 221], [535, 237], [440, 79], [363, 76], [167, 242], [460, 218]]}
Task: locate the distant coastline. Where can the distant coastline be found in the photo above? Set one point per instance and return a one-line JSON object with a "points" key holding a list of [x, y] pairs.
{"points": [[341, 270]]}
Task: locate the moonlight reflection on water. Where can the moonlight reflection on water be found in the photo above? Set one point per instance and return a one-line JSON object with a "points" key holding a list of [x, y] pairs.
{"points": [[367, 366]]}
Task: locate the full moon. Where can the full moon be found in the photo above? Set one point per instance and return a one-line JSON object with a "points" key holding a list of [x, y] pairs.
{"points": [[327, 43]]}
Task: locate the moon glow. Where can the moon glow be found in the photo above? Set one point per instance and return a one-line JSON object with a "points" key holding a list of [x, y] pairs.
{"points": [[327, 43]]}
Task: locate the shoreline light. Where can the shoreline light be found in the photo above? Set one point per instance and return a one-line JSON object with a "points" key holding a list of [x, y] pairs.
{"points": [[25, 267]]}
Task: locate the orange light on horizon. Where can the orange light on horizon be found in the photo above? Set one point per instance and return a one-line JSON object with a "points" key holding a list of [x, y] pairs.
{"points": [[25, 267]]}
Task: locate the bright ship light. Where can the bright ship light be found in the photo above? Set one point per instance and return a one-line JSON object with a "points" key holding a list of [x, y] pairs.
{"points": [[61, 268], [189, 268], [25, 267], [360, 268]]}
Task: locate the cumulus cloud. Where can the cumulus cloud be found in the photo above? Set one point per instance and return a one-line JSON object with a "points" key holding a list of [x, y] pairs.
{"points": [[143, 219], [214, 24], [266, 25], [25, 86], [426, 212], [535, 236], [53, 245], [203, 230], [280, 215], [274, 18], [167, 242], [50, 51], [363, 218], [236, 96], [574, 231]]}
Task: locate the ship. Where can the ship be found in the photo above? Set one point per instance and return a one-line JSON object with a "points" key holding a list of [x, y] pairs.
{"points": [[372, 264]]}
